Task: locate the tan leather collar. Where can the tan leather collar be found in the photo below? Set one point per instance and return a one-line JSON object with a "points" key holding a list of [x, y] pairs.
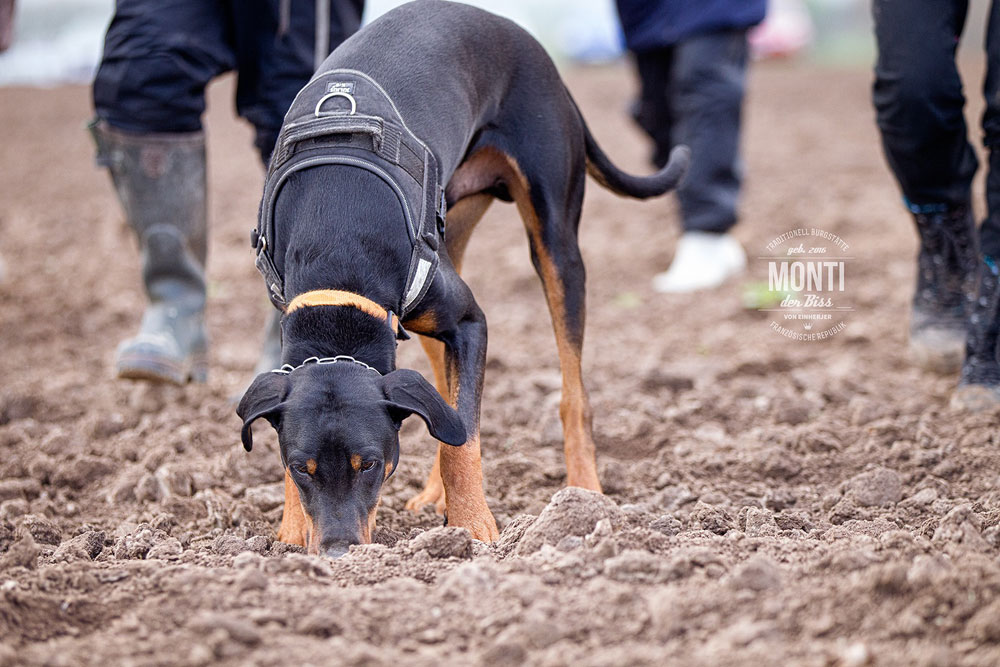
{"points": [[332, 297]]}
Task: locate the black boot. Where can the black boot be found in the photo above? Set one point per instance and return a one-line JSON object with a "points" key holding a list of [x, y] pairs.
{"points": [[946, 274], [979, 387], [160, 181]]}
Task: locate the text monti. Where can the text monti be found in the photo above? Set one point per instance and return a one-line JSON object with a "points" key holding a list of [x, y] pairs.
{"points": [[805, 276]]}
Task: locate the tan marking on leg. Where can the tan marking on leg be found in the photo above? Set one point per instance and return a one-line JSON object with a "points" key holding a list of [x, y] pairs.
{"points": [[356, 462], [311, 466], [368, 529], [461, 220], [574, 408], [462, 474], [433, 492], [425, 323], [296, 525], [459, 470]]}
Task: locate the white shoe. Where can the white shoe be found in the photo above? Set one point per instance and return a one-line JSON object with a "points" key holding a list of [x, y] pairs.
{"points": [[702, 261]]}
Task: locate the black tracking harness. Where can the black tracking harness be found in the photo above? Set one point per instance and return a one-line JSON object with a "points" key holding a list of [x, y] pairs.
{"points": [[344, 117]]}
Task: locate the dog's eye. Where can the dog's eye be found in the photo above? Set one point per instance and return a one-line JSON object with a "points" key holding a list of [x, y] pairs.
{"points": [[307, 468], [368, 465]]}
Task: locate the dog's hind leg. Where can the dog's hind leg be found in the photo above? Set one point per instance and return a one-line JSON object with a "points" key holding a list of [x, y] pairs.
{"points": [[551, 214]]}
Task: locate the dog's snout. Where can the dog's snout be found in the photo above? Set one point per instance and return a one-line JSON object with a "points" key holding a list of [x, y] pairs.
{"points": [[335, 548]]}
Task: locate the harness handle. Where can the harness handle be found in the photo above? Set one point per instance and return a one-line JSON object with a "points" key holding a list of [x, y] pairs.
{"points": [[333, 123]]}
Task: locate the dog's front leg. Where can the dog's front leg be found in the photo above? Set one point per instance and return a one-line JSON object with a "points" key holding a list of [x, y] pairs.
{"points": [[461, 467], [296, 525]]}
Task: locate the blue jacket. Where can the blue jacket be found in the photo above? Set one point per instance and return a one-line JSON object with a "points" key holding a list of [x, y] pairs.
{"points": [[653, 24]]}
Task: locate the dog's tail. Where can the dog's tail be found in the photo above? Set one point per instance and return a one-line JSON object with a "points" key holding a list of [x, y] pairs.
{"points": [[600, 167]]}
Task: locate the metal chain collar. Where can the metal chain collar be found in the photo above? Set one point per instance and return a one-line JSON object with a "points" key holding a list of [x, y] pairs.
{"points": [[288, 368]]}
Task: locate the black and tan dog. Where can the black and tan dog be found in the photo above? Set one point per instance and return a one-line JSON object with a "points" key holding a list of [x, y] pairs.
{"points": [[435, 106]]}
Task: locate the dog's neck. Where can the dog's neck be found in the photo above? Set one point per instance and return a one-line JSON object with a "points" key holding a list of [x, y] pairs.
{"points": [[328, 331]]}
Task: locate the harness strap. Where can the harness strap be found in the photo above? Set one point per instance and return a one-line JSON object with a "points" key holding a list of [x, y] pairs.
{"points": [[332, 297]]}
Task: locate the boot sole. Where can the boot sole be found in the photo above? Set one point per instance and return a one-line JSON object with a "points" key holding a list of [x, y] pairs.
{"points": [[149, 369], [939, 353], [975, 398]]}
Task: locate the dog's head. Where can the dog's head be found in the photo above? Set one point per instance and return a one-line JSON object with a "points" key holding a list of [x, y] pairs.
{"points": [[338, 431]]}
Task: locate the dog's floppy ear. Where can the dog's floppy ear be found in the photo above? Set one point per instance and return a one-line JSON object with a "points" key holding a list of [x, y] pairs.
{"points": [[263, 398], [409, 393]]}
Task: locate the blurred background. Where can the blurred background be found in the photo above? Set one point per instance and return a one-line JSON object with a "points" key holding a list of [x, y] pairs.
{"points": [[59, 41]]}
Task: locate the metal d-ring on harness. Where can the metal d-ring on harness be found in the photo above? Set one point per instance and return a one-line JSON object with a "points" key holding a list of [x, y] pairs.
{"points": [[369, 134]]}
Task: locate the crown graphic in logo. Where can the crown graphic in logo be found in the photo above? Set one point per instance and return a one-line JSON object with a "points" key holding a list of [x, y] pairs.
{"points": [[807, 326]]}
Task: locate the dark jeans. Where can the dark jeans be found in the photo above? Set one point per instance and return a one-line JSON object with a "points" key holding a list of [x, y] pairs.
{"points": [[160, 54], [692, 93], [919, 103]]}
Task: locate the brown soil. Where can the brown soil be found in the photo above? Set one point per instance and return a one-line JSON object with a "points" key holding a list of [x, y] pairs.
{"points": [[767, 501]]}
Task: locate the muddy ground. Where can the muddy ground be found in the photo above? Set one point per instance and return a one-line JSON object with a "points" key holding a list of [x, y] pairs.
{"points": [[768, 501]]}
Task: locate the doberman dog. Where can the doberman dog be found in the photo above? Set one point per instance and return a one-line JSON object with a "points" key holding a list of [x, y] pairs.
{"points": [[353, 227]]}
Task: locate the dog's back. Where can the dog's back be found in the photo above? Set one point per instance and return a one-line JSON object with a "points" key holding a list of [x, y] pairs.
{"points": [[452, 67]]}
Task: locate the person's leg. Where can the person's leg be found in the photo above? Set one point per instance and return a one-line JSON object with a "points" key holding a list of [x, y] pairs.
{"points": [[158, 57], [710, 76], [704, 101], [149, 98], [979, 385], [919, 103], [275, 59]]}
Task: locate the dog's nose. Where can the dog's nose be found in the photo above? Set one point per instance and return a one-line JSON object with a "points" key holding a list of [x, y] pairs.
{"points": [[334, 549]]}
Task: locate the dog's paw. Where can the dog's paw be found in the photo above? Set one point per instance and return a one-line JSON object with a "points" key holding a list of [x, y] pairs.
{"points": [[431, 495], [587, 481], [476, 518]]}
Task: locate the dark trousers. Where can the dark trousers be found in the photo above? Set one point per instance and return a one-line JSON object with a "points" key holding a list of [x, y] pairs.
{"points": [[919, 103], [692, 93], [160, 54]]}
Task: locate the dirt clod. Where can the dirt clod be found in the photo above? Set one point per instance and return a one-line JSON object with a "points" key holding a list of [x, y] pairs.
{"points": [[876, 488], [230, 545], [87, 546], [137, 542], [964, 526], [572, 511], [444, 542], [237, 629], [43, 530], [23, 553]]}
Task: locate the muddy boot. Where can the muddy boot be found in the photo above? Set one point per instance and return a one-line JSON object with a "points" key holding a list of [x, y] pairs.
{"points": [[946, 274], [979, 387], [160, 181]]}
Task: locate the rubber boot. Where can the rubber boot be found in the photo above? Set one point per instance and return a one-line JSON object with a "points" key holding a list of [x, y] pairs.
{"points": [[160, 181], [946, 283], [979, 386]]}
